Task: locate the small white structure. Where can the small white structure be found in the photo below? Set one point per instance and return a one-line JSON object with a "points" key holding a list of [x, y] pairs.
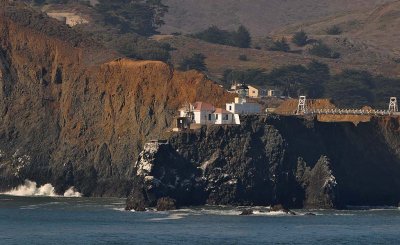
{"points": [[273, 93], [242, 107]]}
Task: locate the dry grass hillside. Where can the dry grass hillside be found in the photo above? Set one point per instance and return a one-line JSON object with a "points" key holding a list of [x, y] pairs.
{"points": [[369, 42], [260, 16], [377, 29], [355, 55]]}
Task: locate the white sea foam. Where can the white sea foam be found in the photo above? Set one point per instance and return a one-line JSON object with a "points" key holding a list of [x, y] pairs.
{"points": [[119, 209], [72, 193], [170, 217], [30, 188]]}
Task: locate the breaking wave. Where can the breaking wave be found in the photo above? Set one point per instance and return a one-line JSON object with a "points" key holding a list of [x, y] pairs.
{"points": [[30, 188]]}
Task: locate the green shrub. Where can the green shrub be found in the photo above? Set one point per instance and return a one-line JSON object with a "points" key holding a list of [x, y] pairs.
{"points": [[240, 38], [243, 57], [195, 62], [320, 49], [141, 17], [334, 30], [300, 38], [280, 45]]}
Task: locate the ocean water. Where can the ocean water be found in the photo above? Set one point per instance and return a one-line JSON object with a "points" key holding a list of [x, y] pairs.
{"points": [[61, 220]]}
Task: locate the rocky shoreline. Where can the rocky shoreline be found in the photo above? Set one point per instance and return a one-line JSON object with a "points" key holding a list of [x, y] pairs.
{"points": [[271, 160]]}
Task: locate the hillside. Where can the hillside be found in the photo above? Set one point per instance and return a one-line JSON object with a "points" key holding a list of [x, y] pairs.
{"points": [[260, 16], [377, 29], [69, 120], [355, 55]]}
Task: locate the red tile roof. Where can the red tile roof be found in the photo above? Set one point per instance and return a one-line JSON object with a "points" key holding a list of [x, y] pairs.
{"points": [[222, 111], [203, 106]]}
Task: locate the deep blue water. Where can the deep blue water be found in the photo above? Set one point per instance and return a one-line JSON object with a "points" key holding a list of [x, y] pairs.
{"points": [[44, 220]]}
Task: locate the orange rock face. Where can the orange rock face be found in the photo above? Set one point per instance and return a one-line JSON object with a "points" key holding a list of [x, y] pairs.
{"points": [[80, 114]]}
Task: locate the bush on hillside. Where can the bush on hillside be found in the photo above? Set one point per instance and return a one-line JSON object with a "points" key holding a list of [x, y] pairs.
{"points": [[280, 45], [138, 16], [334, 30], [300, 38], [195, 62], [243, 57], [141, 48], [250, 76], [240, 38], [322, 50]]}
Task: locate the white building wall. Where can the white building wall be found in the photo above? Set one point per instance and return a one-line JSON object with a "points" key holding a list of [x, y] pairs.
{"points": [[222, 118], [245, 108], [203, 117]]}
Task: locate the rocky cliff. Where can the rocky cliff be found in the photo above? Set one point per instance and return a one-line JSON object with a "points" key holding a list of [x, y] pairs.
{"points": [[275, 160], [72, 114]]}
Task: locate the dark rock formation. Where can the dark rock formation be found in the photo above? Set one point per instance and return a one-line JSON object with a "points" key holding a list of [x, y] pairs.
{"points": [[162, 172], [281, 160], [247, 212], [165, 204]]}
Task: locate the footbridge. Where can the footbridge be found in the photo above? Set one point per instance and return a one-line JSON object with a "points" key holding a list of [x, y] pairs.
{"points": [[303, 110]]}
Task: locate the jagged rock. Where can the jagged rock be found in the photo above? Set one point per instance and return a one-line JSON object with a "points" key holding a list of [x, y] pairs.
{"points": [[286, 160], [165, 204], [137, 200], [247, 212], [281, 208], [161, 172], [321, 186]]}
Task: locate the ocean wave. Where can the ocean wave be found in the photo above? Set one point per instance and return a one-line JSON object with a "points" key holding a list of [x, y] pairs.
{"points": [[119, 209], [30, 188], [174, 216]]}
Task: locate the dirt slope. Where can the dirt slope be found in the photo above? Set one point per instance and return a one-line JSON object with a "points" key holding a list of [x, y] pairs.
{"points": [[69, 121]]}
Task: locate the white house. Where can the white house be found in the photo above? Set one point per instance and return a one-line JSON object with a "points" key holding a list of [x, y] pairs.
{"points": [[223, 116], [199, 113], [202, 113], [242, 107]]}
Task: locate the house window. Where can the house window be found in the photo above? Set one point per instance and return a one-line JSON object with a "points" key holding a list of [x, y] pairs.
{"points": [[209, 117], [230, 107], [216, 116], [226, 117], [254, 92]]}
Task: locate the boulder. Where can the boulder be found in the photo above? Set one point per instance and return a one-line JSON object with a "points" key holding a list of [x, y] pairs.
{"points": [[165, 204], [247, 212]]}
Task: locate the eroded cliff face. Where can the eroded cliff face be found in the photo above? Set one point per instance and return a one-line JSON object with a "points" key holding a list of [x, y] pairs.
{"points": [[73, 115], [282, 160]]}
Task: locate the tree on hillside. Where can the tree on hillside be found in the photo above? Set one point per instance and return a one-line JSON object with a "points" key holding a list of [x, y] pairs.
{"points": [[300, 38], [139, 16], [280, 45], [213, 35], [137, 47], [242, 38], [195, 62], [352, 88], [320, 49], [251, 76]]}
